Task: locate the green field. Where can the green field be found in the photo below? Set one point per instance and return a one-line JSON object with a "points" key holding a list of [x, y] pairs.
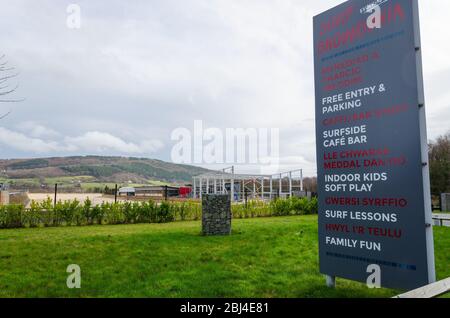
{"points": [[265, 257], [22, 183], [85, 183], [101, 185]]}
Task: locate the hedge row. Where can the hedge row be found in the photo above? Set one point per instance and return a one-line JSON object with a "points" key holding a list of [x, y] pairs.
{"points": [[74, 213], [278, 207]]}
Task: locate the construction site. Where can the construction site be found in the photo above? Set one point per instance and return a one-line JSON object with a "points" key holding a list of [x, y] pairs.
{"points": [[249, 186], [239, 186]]}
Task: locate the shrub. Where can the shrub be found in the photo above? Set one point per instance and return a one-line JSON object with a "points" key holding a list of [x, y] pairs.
{"points": [[87, 212], [194, 210], [165, 213], [32, 217], [46, 216], [72, 212], [65, 211], [313, 206], [147, 212], [181, 210], [113, 213], [128, 212], [11, 216], [47, 204], [280, 207], [97, 215]]}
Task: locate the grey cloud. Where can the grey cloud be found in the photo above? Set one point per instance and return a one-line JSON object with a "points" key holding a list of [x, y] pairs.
{"points": [[137, 70]]}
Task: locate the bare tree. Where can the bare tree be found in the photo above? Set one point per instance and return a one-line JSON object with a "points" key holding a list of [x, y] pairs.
{"points": [[7, 84], [439, 152], [310, 184]]}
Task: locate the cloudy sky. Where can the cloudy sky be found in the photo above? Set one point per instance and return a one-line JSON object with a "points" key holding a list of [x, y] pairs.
{"points": [[137, 70]]}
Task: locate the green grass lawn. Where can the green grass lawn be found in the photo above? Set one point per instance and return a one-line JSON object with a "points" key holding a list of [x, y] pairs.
{"points": [[68, 180], [101, 185], [268, 257]]}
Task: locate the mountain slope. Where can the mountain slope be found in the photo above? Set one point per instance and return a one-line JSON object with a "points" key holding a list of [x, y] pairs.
{"points": [[98, 169]]}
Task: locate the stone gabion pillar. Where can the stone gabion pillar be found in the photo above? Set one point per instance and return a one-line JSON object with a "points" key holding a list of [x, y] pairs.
{"points": [[216, 214]]}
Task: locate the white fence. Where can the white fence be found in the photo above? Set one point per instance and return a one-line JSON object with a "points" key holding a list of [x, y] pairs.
{"points": [[441, 220], [430, 291]]}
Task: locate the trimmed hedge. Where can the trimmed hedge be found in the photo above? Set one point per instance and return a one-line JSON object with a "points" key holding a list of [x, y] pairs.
{"points": [[277, 207], [75, 213]]}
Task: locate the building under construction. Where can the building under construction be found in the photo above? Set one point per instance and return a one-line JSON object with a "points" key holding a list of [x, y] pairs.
{"points": [[242, 186], [155, 192]]}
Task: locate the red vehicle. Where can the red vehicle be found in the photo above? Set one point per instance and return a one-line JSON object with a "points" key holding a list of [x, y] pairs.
{"points": [[185, 191]]}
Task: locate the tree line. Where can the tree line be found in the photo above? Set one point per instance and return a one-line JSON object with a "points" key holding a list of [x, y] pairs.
{"points": [[439, 158]]}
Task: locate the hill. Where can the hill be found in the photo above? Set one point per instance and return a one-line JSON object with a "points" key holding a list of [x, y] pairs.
{"points": [[93, 171]]}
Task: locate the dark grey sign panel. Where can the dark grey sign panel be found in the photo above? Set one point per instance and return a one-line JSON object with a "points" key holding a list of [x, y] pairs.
{"points": [[371, 144]]}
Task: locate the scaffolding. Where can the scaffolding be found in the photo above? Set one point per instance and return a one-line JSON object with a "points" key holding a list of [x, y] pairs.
{"points": [[242, 186]]}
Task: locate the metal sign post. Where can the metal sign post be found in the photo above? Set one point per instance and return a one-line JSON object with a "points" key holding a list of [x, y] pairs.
{"points": [[373, 175]]}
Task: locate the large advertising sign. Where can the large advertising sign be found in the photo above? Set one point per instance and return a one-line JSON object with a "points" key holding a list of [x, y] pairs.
{"points": [[374, 199]]}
